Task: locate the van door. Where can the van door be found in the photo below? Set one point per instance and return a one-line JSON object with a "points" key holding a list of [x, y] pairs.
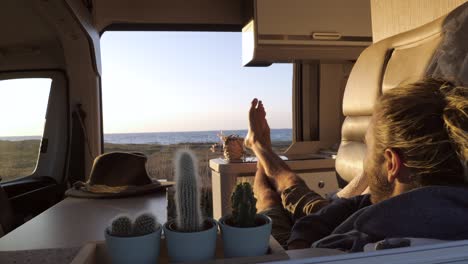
{"points": [[34, 140]]}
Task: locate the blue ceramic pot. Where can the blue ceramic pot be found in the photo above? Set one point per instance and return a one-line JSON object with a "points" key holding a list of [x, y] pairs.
{"points": [[245, 241], [194, 246], [137, 249]]}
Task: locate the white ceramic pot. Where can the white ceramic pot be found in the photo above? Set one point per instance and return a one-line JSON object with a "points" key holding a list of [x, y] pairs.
{"points": [[194, 246], [246, 241], [136, 249]]}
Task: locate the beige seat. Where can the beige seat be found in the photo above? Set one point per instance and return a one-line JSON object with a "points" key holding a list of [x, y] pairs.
{"points": [[400, 59]]}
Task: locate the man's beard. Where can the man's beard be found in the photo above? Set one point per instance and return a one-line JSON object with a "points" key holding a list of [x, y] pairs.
{"points": [[380, 188]]}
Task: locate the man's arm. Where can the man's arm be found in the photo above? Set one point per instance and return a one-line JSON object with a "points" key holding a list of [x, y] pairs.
{"points": [[311, 228]]}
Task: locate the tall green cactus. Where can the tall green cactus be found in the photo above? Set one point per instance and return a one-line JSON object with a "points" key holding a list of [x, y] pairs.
{"points": [[243, 205], [187, 196]]}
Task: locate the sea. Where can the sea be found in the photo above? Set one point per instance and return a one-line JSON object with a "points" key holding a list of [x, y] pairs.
{"points": [[168, 138]]}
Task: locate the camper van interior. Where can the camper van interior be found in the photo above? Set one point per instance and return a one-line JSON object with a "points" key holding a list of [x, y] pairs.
{"points": [[233, 131]]}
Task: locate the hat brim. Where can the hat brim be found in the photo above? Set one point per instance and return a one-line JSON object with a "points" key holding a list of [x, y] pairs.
{"points": [[104, 191]]}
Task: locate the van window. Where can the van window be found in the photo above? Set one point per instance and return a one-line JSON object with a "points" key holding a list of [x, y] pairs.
{"points": [[162, 91], [23, 106]]}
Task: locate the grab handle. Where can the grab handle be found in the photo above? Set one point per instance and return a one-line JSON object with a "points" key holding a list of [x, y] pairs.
{"points": [[326, 36]]}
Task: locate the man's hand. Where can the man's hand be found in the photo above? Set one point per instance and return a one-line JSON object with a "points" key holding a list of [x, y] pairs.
{"points": [[298, 244]]}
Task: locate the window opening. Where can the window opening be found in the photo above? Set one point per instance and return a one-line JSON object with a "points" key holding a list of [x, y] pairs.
{"points": [[23, 107], [168, 90]]}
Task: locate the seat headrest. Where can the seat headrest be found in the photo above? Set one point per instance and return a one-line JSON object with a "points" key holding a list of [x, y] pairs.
{"points": [[437, 49]]}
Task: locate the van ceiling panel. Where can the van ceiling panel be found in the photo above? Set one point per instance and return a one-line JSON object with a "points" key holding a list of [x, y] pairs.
{"points": [[207, 12], [21, 25], [28, 42]]}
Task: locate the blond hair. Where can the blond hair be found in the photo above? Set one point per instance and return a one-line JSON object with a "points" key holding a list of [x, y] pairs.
{"points": [[426, 123]]}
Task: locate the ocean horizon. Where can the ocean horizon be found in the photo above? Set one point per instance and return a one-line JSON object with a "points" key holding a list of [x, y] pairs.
{"points": [[168, 138]]}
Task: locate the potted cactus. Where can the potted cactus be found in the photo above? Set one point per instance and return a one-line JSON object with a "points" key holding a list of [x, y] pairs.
{"points": [[136, 241], [245, 233], [190, 236], [232, 147]]}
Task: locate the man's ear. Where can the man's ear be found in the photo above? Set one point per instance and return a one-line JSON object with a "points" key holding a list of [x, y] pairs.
{"points": [[393, 165]]}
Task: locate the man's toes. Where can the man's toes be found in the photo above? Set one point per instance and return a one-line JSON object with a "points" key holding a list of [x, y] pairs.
{"points": [[254, 103], [253, 108], [261, 109]]}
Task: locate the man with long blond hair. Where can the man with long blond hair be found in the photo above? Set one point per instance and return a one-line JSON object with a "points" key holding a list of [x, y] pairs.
{"points": [[414, 173]]}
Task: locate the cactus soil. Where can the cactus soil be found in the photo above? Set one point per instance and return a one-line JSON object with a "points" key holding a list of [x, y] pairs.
{"points": [[259, 221], [207, 224]]}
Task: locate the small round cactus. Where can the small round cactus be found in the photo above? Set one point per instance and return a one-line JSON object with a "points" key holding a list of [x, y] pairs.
{"points": [[144, 224], [121, 226]]}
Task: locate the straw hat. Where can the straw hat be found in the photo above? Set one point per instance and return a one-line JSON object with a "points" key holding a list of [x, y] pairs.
{"points": [[117, 174]]}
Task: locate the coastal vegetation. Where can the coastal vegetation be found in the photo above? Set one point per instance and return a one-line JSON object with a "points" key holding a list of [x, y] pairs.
{"points": [[18, 158]]}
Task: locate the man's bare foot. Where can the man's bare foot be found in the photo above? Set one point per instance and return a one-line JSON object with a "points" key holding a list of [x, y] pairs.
{"points": [[259, 131], [266, 196]]}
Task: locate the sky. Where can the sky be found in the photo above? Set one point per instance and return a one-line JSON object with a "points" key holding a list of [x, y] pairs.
{"points": [[186, 81], [23, 106], [163, 82]]}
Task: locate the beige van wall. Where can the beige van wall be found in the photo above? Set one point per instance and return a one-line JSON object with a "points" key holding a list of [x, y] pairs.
{"points": [[390, 17], [72, 24]]}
